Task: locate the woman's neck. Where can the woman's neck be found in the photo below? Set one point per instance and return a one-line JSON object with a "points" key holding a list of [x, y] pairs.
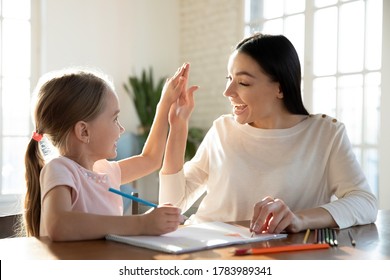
{"points": [[280, 122]]}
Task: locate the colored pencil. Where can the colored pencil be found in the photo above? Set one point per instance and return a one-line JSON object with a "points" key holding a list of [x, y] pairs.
{"points": [[323, 240], [306, 236], [133, 197], [319, 239], [331, 242], [353, 242], [326, 235], [335, 242], [280, 249], [140, 200]]}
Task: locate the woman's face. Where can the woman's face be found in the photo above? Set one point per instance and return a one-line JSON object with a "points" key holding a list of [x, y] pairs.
{"points": [[255, 98]]}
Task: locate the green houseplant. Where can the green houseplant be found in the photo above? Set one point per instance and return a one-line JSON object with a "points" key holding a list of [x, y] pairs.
{"points": [[146, 93]]}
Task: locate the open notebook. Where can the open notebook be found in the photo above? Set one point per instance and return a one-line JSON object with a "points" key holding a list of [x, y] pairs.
{"points": [[195, 238]]}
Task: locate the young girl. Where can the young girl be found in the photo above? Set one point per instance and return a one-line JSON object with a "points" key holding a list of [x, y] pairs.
{"points": [[67, 197]]}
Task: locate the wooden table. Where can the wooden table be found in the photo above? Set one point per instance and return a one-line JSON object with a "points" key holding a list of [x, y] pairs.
{"points": [[373, 243]]}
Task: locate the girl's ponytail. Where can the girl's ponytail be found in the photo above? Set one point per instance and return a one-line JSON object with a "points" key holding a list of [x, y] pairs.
{"points": [[34, 163]]}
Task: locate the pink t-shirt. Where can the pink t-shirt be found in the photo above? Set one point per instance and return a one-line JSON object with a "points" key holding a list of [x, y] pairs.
{"points": [[89, 189]]}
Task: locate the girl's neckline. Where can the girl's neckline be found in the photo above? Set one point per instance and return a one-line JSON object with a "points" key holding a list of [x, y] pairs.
{"points": [[89, 173]]}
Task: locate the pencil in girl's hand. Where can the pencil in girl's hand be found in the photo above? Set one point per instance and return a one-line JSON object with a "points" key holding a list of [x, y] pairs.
{"points": [[147, 203], [133, 197]]}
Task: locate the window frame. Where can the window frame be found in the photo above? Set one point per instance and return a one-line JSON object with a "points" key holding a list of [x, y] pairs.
{"points": [[12, 204], [308, 77]]}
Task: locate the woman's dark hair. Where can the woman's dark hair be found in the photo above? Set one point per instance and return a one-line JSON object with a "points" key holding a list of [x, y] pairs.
{"points": [[278, 58]]}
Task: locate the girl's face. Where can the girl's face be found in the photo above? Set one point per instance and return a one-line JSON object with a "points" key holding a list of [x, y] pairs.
{"points": [[255, 98], [105, 130]]}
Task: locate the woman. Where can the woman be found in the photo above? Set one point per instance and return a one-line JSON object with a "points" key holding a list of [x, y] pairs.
{"points": [[270, 162]]}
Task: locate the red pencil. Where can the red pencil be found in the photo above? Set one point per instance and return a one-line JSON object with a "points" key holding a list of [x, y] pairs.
{"points": [[278, 249]]}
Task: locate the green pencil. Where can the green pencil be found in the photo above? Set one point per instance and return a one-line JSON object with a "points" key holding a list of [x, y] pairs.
{"points": [[331, 242], [327, 235], [335, 242]]}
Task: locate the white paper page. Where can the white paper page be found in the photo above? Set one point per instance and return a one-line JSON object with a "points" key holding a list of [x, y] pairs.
{"points": [[196, 237]]}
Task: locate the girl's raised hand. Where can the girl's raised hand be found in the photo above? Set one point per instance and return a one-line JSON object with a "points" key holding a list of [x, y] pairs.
{"points": [[175, 85], [184, 105]]}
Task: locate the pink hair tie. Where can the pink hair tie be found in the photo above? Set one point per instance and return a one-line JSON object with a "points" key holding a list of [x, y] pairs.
{"points": [[36, 136]]}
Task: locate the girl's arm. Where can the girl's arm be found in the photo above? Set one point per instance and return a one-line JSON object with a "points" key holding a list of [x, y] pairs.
{"points": [[151, 156], [63, 224]]}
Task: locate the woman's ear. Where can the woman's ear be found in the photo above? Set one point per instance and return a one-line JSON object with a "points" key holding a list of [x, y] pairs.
{"points": [[81, 131], [280, 95]]}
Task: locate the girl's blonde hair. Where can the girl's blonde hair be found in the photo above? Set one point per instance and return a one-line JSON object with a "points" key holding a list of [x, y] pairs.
{"points": [[62, 99]]}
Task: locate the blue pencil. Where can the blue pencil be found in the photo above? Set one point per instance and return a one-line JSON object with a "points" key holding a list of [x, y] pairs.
{"points": [[133, 197]]}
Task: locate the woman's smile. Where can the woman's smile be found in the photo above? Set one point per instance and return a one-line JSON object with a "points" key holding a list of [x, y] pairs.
{"points": [[239, 109]]}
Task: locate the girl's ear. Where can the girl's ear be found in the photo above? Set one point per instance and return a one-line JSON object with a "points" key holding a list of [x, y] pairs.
{"points": [[81, 131]]}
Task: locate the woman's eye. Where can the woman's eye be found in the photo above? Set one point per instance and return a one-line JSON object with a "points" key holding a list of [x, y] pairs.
{"points": [[230, 79], [242, 83]]}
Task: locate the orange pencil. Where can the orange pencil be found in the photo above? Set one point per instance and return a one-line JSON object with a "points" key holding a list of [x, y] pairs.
{"points": [[279, 249]]}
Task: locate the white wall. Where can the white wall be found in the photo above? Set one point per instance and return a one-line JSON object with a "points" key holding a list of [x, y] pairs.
{"points": [[119, 37], [209, 30]]}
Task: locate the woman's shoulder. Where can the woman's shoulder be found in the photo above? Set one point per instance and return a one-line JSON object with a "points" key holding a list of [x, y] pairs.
{"points": [[223, 124], [224, 120], [323, 117], [325, 121]]}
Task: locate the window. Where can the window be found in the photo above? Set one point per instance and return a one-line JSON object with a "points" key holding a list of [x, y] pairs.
{"points": [[339, 45], [15, 75]]}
